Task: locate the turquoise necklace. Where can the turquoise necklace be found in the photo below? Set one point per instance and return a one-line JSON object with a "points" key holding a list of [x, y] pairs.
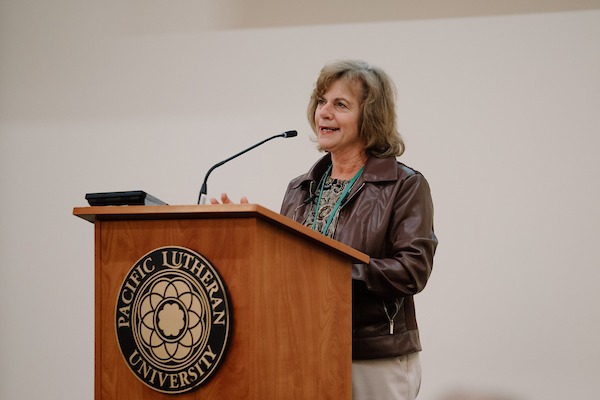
{"points": [[339, 201]]}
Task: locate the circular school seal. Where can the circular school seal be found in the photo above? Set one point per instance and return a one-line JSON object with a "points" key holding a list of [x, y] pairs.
{"points": [[173, 319]]}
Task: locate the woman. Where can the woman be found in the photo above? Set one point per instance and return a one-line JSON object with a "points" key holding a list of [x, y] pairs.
{"points": [[360, 195]]}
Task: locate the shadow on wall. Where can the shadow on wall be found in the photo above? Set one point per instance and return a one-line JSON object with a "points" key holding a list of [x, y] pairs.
{"points": [[273, 13], [472, 395], [193, 15]]}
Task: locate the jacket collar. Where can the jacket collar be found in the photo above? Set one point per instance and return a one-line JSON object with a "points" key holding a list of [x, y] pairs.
{"points": [[376, 170]]}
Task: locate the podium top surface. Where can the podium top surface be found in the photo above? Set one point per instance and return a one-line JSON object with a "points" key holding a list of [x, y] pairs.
{"points": [[120, 213]]}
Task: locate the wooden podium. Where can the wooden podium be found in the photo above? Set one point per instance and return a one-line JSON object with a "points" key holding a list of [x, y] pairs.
{"points": [[289, 287]]}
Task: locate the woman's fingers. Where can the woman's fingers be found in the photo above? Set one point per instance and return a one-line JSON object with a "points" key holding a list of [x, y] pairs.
{"points": [[226, 200]]}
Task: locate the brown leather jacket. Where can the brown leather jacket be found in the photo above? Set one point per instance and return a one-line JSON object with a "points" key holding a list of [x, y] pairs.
{"points": [[388, 215]]}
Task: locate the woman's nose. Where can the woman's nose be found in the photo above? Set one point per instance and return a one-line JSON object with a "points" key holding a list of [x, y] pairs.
{"points": [[325, 111]]}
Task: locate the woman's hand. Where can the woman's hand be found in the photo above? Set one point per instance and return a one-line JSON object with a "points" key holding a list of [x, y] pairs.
{"points": [[226, 200]]}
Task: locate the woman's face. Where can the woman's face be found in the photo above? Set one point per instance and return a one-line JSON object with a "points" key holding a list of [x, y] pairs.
{"points": [[336, 118]]}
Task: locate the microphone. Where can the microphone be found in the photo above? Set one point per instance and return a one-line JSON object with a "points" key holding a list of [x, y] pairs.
{"points": [[202, 195]]}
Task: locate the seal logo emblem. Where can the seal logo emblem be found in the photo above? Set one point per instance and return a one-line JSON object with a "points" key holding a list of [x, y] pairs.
{"points": [[173, 319]]}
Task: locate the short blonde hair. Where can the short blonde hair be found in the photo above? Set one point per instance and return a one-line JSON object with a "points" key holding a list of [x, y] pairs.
{"points": [[377, 122]]}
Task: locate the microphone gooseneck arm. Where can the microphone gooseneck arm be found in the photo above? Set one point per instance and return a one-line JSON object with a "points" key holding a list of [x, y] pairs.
{"points": [[203, 190]]}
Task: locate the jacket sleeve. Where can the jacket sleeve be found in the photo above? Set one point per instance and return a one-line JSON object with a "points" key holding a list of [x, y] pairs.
{"points": [[405, 263]]}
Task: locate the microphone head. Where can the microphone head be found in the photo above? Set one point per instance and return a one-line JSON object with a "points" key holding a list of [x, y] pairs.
{"points": [[289, 134]]}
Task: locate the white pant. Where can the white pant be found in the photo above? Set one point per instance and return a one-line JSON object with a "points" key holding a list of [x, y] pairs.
{"points": [[397, 378]]}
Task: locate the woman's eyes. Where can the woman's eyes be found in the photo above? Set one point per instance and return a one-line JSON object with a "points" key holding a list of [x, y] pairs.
{"points": [[339, 104]]}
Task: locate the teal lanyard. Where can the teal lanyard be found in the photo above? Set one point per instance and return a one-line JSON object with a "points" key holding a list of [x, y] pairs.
{"points": [[339, 201]]}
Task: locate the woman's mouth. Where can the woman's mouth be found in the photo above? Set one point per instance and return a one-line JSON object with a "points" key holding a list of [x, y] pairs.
{"points": [[326, 129]]}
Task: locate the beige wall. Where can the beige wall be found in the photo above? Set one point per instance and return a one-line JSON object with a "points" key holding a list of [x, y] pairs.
{"points": [[499, 110]]}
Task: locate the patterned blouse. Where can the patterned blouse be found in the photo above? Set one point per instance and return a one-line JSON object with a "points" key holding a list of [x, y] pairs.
{"points": [[332, 190]]}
